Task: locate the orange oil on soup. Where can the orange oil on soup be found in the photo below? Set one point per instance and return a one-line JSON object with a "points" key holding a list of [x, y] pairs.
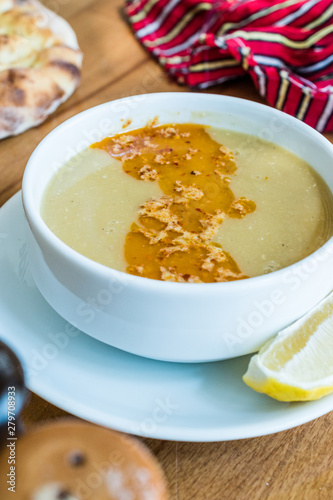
{"points": [[171, 240]]}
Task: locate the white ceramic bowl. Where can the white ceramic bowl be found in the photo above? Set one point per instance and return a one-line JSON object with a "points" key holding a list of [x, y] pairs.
{"points": [[162, 320]]}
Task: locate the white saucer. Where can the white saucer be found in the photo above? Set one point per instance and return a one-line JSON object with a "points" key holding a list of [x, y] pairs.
{"points": [[185, 402]]}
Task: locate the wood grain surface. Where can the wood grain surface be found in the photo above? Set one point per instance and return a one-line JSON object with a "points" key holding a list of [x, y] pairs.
{"points": [[295, 464]]}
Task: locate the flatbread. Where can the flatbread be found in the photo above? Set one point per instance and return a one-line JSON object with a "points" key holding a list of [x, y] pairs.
{"points": [[40, 64], [73, 460]]}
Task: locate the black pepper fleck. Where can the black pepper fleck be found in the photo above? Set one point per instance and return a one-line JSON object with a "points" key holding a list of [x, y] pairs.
{"points": [[63, 495], [76, 458]]}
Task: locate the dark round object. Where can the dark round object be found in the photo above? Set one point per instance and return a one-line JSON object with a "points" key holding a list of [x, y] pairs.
{"points": [[12, 393]]}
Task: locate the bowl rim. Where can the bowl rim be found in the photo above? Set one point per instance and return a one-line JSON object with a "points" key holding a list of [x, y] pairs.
{"points": [[35, 220]]}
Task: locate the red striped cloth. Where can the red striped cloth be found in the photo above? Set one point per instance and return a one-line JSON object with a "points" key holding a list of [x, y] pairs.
{"points": [[286, 47]]}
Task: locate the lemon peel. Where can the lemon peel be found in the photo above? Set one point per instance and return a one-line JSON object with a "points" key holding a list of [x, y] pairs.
{"points": [[297, 364]]}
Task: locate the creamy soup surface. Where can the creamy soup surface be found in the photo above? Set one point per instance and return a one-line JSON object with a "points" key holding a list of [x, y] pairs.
{"points": [[193, 204]]}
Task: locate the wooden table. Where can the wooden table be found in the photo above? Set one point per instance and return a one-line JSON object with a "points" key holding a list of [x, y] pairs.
{"points": [[295, 464]]}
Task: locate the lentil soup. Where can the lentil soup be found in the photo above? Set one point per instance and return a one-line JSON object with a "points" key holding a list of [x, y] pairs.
{"points": [[189, 203]]}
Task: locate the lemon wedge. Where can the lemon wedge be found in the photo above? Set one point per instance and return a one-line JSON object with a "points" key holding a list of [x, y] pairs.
{"points": [[297, 364]]}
